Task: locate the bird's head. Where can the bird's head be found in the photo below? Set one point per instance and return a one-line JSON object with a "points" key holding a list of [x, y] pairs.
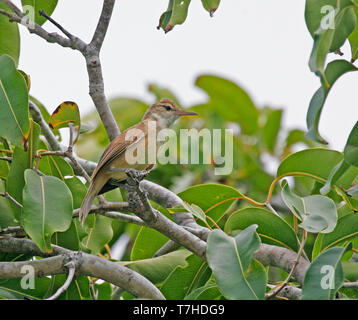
{"points": [[166, 112]]}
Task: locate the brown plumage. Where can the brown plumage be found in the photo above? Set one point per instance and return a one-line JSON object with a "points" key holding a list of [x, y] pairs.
{"points": [[164, 113]]}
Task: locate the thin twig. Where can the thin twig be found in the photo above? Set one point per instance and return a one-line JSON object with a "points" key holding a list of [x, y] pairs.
{"points": [[13, 7], [8, 159], [276, 290], [94, 293], [13, 231], [8, 196], [64, 31], [350, 285], [71, 272]]}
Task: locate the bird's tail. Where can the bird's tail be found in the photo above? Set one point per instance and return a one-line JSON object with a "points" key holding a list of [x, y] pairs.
{"points": [[94, 187]]}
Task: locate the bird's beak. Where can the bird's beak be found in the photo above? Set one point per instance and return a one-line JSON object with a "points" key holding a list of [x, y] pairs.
{"points": [[185, 113]]}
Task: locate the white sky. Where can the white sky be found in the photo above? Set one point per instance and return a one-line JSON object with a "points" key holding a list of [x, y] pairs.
{"points": [[262, 45]]}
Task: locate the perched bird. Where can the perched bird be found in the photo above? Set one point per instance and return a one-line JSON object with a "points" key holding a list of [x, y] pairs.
{"points": [[162, 114]]}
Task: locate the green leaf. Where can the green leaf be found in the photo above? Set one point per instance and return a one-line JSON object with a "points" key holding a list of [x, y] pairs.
{"points": [[7, 214], [45, 114], [271, 228], [99, 232], [78, 190], [160, 93], [309, 162], [22, 160], [324, 276], [230, 102], [179, 13], [195, 210], [103, 290], [292, 201], [148, 240], [218, 199], [208, 292], [9, 37], [331, 15], [321, 45], [351, 148], [350, 269], [14, 104], [238, 276], [317, 213], [334, 70], [68, 239], [32, 7], [184, 279], [60, 168], [175, 14], [335, 174], [67, 112], [156, 270], [271, 129], [346, 230], [353, 38], [11, 289], [47, 208], [210, 5]]}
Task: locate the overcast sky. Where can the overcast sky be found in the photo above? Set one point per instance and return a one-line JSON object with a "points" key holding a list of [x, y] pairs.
{"points": [[262, 45]]}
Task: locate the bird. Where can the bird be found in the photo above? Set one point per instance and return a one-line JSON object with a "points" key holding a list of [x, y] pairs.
{"points": [[113, 162]]}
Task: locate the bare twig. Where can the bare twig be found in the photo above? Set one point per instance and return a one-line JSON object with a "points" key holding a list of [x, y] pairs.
{"points": [[45, 129], [94, 293], [71, 272], [8, 196], [8, 159], [64, 31], [276, 290], [350, 285]]}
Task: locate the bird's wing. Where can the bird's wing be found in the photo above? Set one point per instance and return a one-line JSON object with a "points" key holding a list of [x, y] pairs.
{"points": [[120, 145]]}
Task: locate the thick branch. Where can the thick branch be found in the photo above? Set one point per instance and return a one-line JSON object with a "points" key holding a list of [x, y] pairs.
{"points": [[283, 258], [86, 265], [96, 91]]}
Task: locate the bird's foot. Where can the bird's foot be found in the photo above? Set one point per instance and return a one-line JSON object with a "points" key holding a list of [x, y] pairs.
{"points": [[135, 176]]}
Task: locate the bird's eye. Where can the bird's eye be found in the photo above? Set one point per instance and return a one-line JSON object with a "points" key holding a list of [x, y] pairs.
{"points": [[168, 108]]}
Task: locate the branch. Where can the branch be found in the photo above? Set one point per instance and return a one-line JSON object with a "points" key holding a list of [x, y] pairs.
{"points": [[45, 129], [89, 51], [283, 258], [350, 285], [86, 265], [277, 289], [19, 17], [289, 292], [102, 25], [71, 273], [8, 159], [8, 196]]}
